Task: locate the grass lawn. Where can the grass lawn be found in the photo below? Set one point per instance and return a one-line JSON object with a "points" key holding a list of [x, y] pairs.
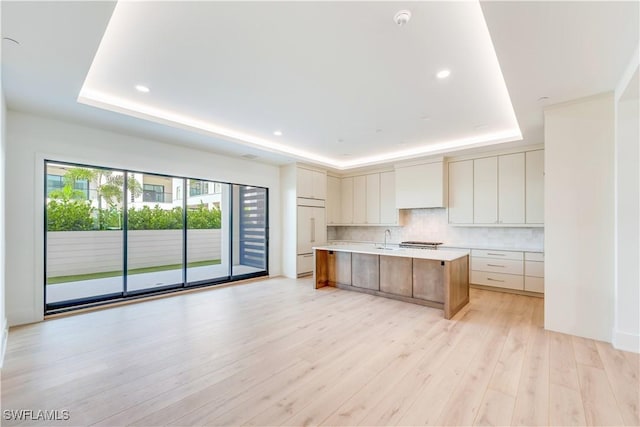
{"points": [[102, 275]]}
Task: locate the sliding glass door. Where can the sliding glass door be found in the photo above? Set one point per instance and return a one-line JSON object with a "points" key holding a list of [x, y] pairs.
{"points": [[83, 233], [207, 231], [116, 234], [155, 237]]}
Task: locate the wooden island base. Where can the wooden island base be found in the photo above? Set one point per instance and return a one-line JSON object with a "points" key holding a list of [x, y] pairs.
{"points": [[437, 283]]}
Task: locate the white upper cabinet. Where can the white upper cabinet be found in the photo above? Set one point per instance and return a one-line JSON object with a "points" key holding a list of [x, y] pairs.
{"points": [[304, 183], [373, 199], [461, 192], [511, 189], [319, 185], [420, 186], [534, 183], [334, 200], [485, 190], [388, 211], [507, 189], [311, 184], [360, 199], [346, 192]]}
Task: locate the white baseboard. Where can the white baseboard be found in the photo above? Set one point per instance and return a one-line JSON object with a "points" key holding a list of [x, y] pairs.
{"points": [[626, 342], [3, 344]]}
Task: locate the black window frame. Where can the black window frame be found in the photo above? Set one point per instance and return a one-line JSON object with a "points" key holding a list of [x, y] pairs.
{"points": [[77, 304]]}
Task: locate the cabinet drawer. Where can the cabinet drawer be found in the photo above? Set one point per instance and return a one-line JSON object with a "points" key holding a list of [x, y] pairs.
{"points": [[534, 256], [518, 256], [499, 280], [494, 265], [305, 263], [534, 268], [534, 284]]}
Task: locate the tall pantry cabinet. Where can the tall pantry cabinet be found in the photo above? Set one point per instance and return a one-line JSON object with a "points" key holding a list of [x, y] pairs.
{"points": [[303, 213]]}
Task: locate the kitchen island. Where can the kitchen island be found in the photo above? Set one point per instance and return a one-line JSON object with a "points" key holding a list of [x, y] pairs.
{"points": [[434, 278]]}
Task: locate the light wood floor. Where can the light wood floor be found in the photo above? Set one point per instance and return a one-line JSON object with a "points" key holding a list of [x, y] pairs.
{"points": [[278, 352]]}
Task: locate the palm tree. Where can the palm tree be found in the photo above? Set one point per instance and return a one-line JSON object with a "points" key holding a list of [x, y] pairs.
{"points": [[108, 186]]}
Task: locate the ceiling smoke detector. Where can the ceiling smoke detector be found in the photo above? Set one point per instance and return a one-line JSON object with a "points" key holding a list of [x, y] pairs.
{"points": [[402, 17]]}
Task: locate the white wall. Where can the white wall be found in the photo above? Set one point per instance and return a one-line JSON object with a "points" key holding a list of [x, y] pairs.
{"points": [[432, 225], [289, 220], [31, 139], [3, 318], [579, 217], [626, 334]]}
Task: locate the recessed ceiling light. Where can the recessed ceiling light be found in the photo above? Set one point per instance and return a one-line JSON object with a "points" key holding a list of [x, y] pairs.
{"points": [[142, 88], [443, 74], [277, 133]]}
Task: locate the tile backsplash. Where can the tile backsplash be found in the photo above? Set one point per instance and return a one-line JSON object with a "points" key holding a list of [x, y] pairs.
{"points": [[432, 225]]}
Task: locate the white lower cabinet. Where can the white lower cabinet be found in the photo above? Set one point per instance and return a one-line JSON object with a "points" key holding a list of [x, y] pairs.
{"points": [[534, 284], [492, 265], [534, 272], [305, 263], [499, 280], [522, 271]]}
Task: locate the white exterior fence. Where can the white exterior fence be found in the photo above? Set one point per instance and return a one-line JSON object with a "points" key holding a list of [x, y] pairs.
{"points": [[84, 252]]}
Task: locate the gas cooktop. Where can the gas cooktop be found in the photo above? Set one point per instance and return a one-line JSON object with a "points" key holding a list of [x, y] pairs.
{"points": [[420, 245]]}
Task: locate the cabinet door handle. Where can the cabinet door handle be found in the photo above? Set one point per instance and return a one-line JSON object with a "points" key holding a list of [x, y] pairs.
{"points": [[495, 265], [494, 280], [313, 230], [489, 253]]}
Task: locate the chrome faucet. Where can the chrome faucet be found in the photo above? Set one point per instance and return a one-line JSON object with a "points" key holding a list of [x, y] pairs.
{"points": [[385, 237]]}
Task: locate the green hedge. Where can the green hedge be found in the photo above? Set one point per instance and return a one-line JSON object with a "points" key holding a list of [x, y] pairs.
{"points": [[79, 215], [69, 215]]}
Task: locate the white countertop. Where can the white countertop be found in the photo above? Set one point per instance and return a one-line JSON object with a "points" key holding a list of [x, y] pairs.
{"points": [[493, 248], [437, 255], [451, 246]]}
